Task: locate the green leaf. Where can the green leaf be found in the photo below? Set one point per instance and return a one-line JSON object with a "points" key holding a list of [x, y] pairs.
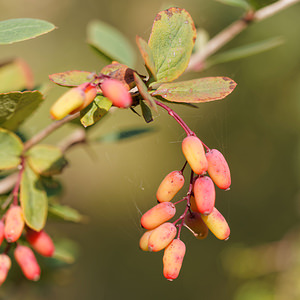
{"points": [[244, 51], [66, 251], [10, 150], [33, 200], [257, 4], [15, 75], [15, 107], [46, 160], [110, 42], [121, 135], [66, 213], [16, 30], [171, 41], [95, 111], [146, 111], [197, 90], [53, 186], [144, 91], [238, 3], [71, 78], [147, 55]]}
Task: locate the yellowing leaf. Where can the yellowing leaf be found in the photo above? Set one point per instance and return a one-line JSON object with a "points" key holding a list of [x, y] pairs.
{"points": [[71, 78]]}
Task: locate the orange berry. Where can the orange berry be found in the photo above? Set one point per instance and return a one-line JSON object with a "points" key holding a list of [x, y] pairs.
{"points": [[28, 263], [195, 224], [14, 223], [172, 259], [116, 92], [194, 153], [5, 264], [193, 204], [205, 195], [218, 169], [41, 242], [217, 224], [67, 103], [161, 237], [170, 186], [158, 214], [144, 240], [1, 231]]}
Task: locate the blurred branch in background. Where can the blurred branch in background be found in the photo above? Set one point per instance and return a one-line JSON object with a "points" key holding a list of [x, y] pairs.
{"points": [[198, 59]]}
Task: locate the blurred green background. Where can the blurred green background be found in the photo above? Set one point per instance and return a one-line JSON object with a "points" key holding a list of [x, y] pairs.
{"points": [[256, 128]]}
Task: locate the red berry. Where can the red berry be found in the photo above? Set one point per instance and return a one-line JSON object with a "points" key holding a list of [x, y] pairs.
{"points": [[14, 223], [40, 242]]}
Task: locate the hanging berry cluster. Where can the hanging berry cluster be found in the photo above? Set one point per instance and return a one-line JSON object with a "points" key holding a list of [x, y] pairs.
{"points": [[200, 214]]}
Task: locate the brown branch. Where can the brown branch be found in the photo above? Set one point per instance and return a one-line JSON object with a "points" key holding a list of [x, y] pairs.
{"points": [[217, 42]]}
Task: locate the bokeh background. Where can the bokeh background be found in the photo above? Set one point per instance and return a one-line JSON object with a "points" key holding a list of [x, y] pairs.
{"points": [[256, 127]]}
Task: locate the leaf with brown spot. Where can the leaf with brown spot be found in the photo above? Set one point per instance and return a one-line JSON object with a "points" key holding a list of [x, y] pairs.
{"points": [[197, 90], [172, 40], [71, 78]]}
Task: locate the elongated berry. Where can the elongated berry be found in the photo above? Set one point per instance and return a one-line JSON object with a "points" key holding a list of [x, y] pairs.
{"points": [[1, 231], [205, 195], [144, 240], [116, 92], [193, 204], [194, 153], [41, 242], [195, 224], [158, 214], [5, 264], [27, 262], [161, 237], [170, 186], [173, 258], [217, 224], [14, 223], [218, 169], [67, 103]]}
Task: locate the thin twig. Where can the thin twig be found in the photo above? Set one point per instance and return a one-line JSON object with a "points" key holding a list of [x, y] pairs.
{"points": [[198, 59]]}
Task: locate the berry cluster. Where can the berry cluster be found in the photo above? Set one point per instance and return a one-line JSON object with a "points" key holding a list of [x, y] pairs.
{"points": [[200, 214], [12, 226]]}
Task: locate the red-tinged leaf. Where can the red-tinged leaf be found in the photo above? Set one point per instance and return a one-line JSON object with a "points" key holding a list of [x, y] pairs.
{"points": [[71, 78], [144, 91], [197, 90], [147, 55]]}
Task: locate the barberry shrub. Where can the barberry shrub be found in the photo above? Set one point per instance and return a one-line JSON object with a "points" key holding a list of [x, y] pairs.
{"points": [[28, 167]]}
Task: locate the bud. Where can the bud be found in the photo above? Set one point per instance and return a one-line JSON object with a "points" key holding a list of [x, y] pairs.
{"points": [[218, 169], [172, 259], [5, 264], [170, 186], [116, 92], [205, 195], [14, 223], [161, 237], [1, 231], [158, 214], [28, 263], [144, 240], [194, 153], [195, 224], [217, 224], [40, 242]]}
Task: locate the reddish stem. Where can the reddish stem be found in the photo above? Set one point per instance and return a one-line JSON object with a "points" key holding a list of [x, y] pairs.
{"points": [[173, 114], [18, 183]]}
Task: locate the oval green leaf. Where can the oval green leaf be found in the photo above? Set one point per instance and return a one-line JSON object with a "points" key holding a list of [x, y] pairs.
{"points": [[66, 213], [95, 111], [71, 78], [16, 30], [147, 55], [110, 42], [15, 75], [197, 90], [146, 112], [46, 160], [10, 150], [33, 200], [172, 40], [15, 107]]}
